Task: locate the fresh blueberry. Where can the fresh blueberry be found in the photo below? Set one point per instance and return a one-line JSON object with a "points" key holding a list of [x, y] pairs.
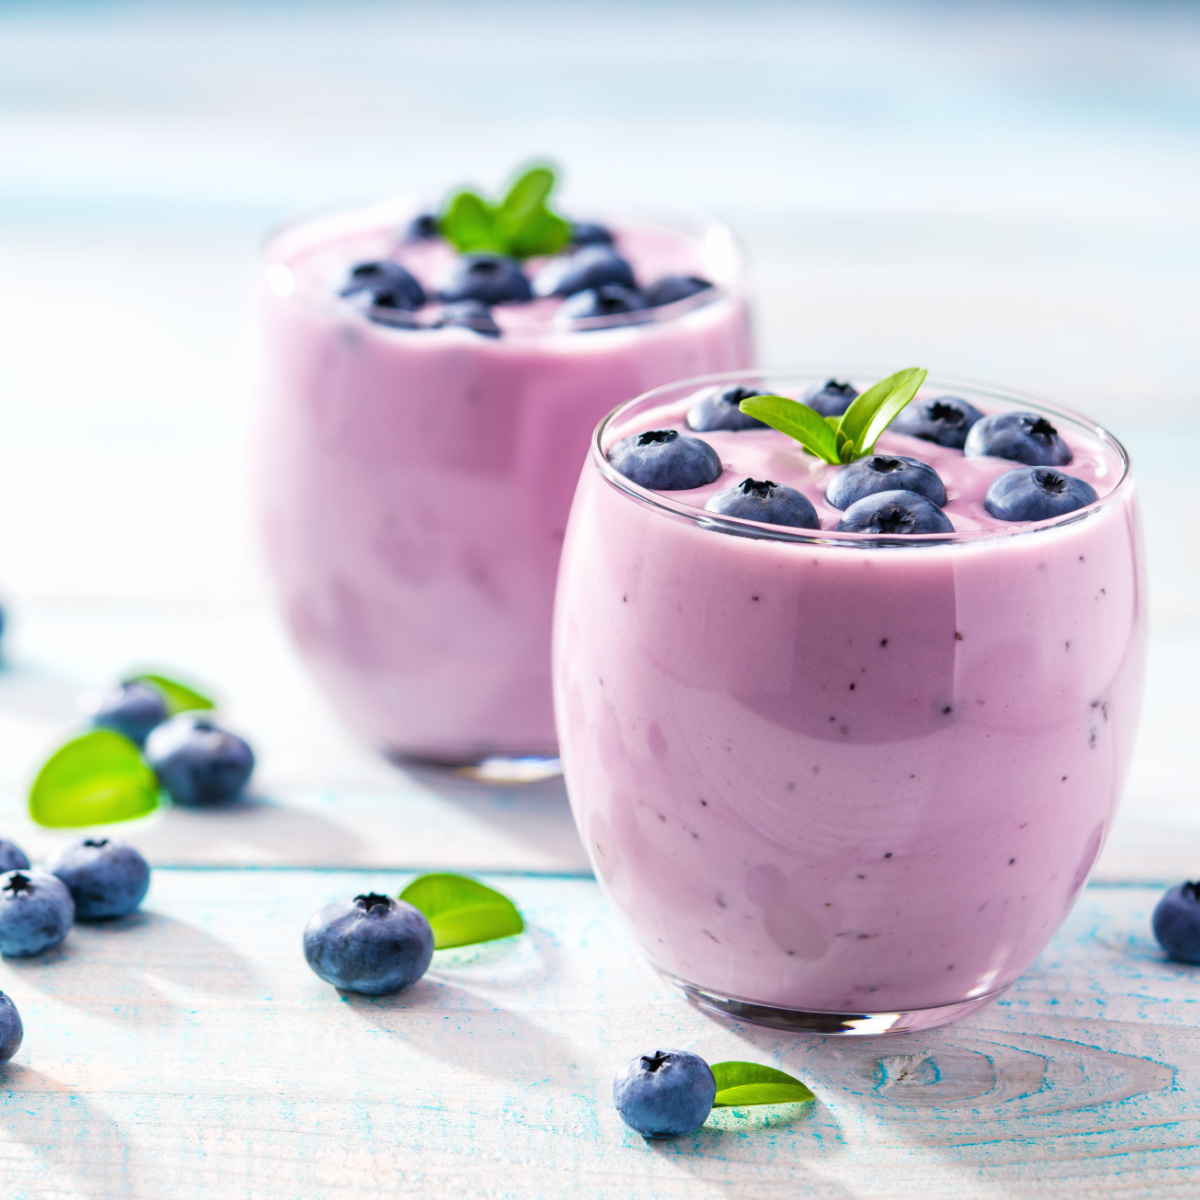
{"points": [[590, 233], [36, 910], [384, 285], [884, 473], [665, 1094], [830, 399], [762, 500], [1176, 922], [675, 287], [717, 408], [197, 761], [422, 228], [665, 460], [371, 944], [491, 278], [589, 267], [895, 512], [12, 857], [1023, 437], [608, 300], [132, 709], [468, 314], [11, 1029], [105, 876], [945, 421], [1036, 493]]}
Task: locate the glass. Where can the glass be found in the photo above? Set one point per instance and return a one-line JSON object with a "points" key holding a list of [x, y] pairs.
{"points": [[836, 782], [414, 484]]}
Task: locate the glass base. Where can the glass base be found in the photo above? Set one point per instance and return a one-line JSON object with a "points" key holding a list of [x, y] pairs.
{"points": [[794, 1020], [502, 769]]}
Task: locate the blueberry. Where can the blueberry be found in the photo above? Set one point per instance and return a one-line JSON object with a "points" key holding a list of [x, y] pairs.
{"points": [[589, 267], [945, 421], [12, 857], [895, 512], [384, 285], [590, 233], [11, 1029], [422, 228], [884, 473], [36, 910], [670, 288], [468, 314], [665, 1094], [105, 876], [197, 761], [717, 408], [608, 300], [1023, 437], [371, 944], [1176, 922], [665, 460], [762, 500], [830, 399], [132, 709], [491, 278], [1035, 493]]}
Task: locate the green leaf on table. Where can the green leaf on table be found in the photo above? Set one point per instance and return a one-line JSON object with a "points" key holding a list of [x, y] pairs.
{"points": [[798, 421], [521, 224], [179, 697], [462, 911], [872, 412], [743, 1083], [94, 779]]}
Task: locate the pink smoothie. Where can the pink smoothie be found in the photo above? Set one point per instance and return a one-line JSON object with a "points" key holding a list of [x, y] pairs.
{"points": [[415, 483], [820, 775]]}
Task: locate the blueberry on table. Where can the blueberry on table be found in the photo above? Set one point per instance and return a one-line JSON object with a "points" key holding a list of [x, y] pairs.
{"points": [[468, 314], [490, 278], [895, 512], [590, 233], [608, 300], [36, 910], [105, 876], [945, 421], [763, 500], [384, 285], [665, 1094], [197, 761], [11, 1029], [1037, 493], [671, 288], [1176, 922], [1024, 437], [884, 473], [371, 944], [132, 709], [717, 408], [589, 267], [830, 399], [666, 460], [12, 857], [422, 228]]}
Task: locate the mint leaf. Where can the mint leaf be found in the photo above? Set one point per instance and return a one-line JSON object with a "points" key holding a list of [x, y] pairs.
{"points": [[94, 779], [462, 911], [743, 1083], [528, 193], [520, 225], [470, 225], [870, 413], [179, 697], [798, 421]]}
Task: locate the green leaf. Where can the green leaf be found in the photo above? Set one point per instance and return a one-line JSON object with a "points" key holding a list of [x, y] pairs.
{"points": [[179, 697], [521, 225], [94, 779], [462, 911], [543, 232], [528, 194], [743, 1083], [871, 413], [469, 224], [798, 421]]}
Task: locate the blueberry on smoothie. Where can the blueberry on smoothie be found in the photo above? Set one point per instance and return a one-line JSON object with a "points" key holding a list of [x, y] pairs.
{"points": [[197, 761], [36, 910], [11, 1029], [945, 421], [590, 233], [608, 300], [764, 500], [665, 1094], [589, 267], [371, 944], [12, 857], [1023, 437], [468, 314], [884, 473], [895, 512], [1176, 922], [132, 709], [1036, 493], [671, 288], [491, 278], [384, 285], [717, 408], [105, 876], [666, 460], [422, 228], [830, 399]]}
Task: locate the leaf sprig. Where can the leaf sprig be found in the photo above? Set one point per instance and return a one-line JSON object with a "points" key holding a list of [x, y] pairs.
{"points": [[841, 439], [520, 225], [462, 911], [745, 1083]]}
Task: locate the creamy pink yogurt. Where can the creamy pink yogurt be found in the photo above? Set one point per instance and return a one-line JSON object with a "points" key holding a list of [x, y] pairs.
{"points": [[415, 484], [825, 776]]}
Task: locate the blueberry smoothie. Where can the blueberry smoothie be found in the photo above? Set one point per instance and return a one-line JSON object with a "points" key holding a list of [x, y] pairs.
{"points": [[844, 739], [426, 411]]}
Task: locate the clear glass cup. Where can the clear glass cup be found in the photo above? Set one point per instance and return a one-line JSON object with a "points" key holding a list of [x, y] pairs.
{"points": [[414, 484], [835, 782]]}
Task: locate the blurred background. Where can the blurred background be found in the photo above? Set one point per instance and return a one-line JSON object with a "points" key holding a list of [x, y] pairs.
{"points": [[1004, 191]]}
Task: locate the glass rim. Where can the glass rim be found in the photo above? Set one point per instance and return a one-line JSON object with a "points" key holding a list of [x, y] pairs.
{"points": [[787, 376]]}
